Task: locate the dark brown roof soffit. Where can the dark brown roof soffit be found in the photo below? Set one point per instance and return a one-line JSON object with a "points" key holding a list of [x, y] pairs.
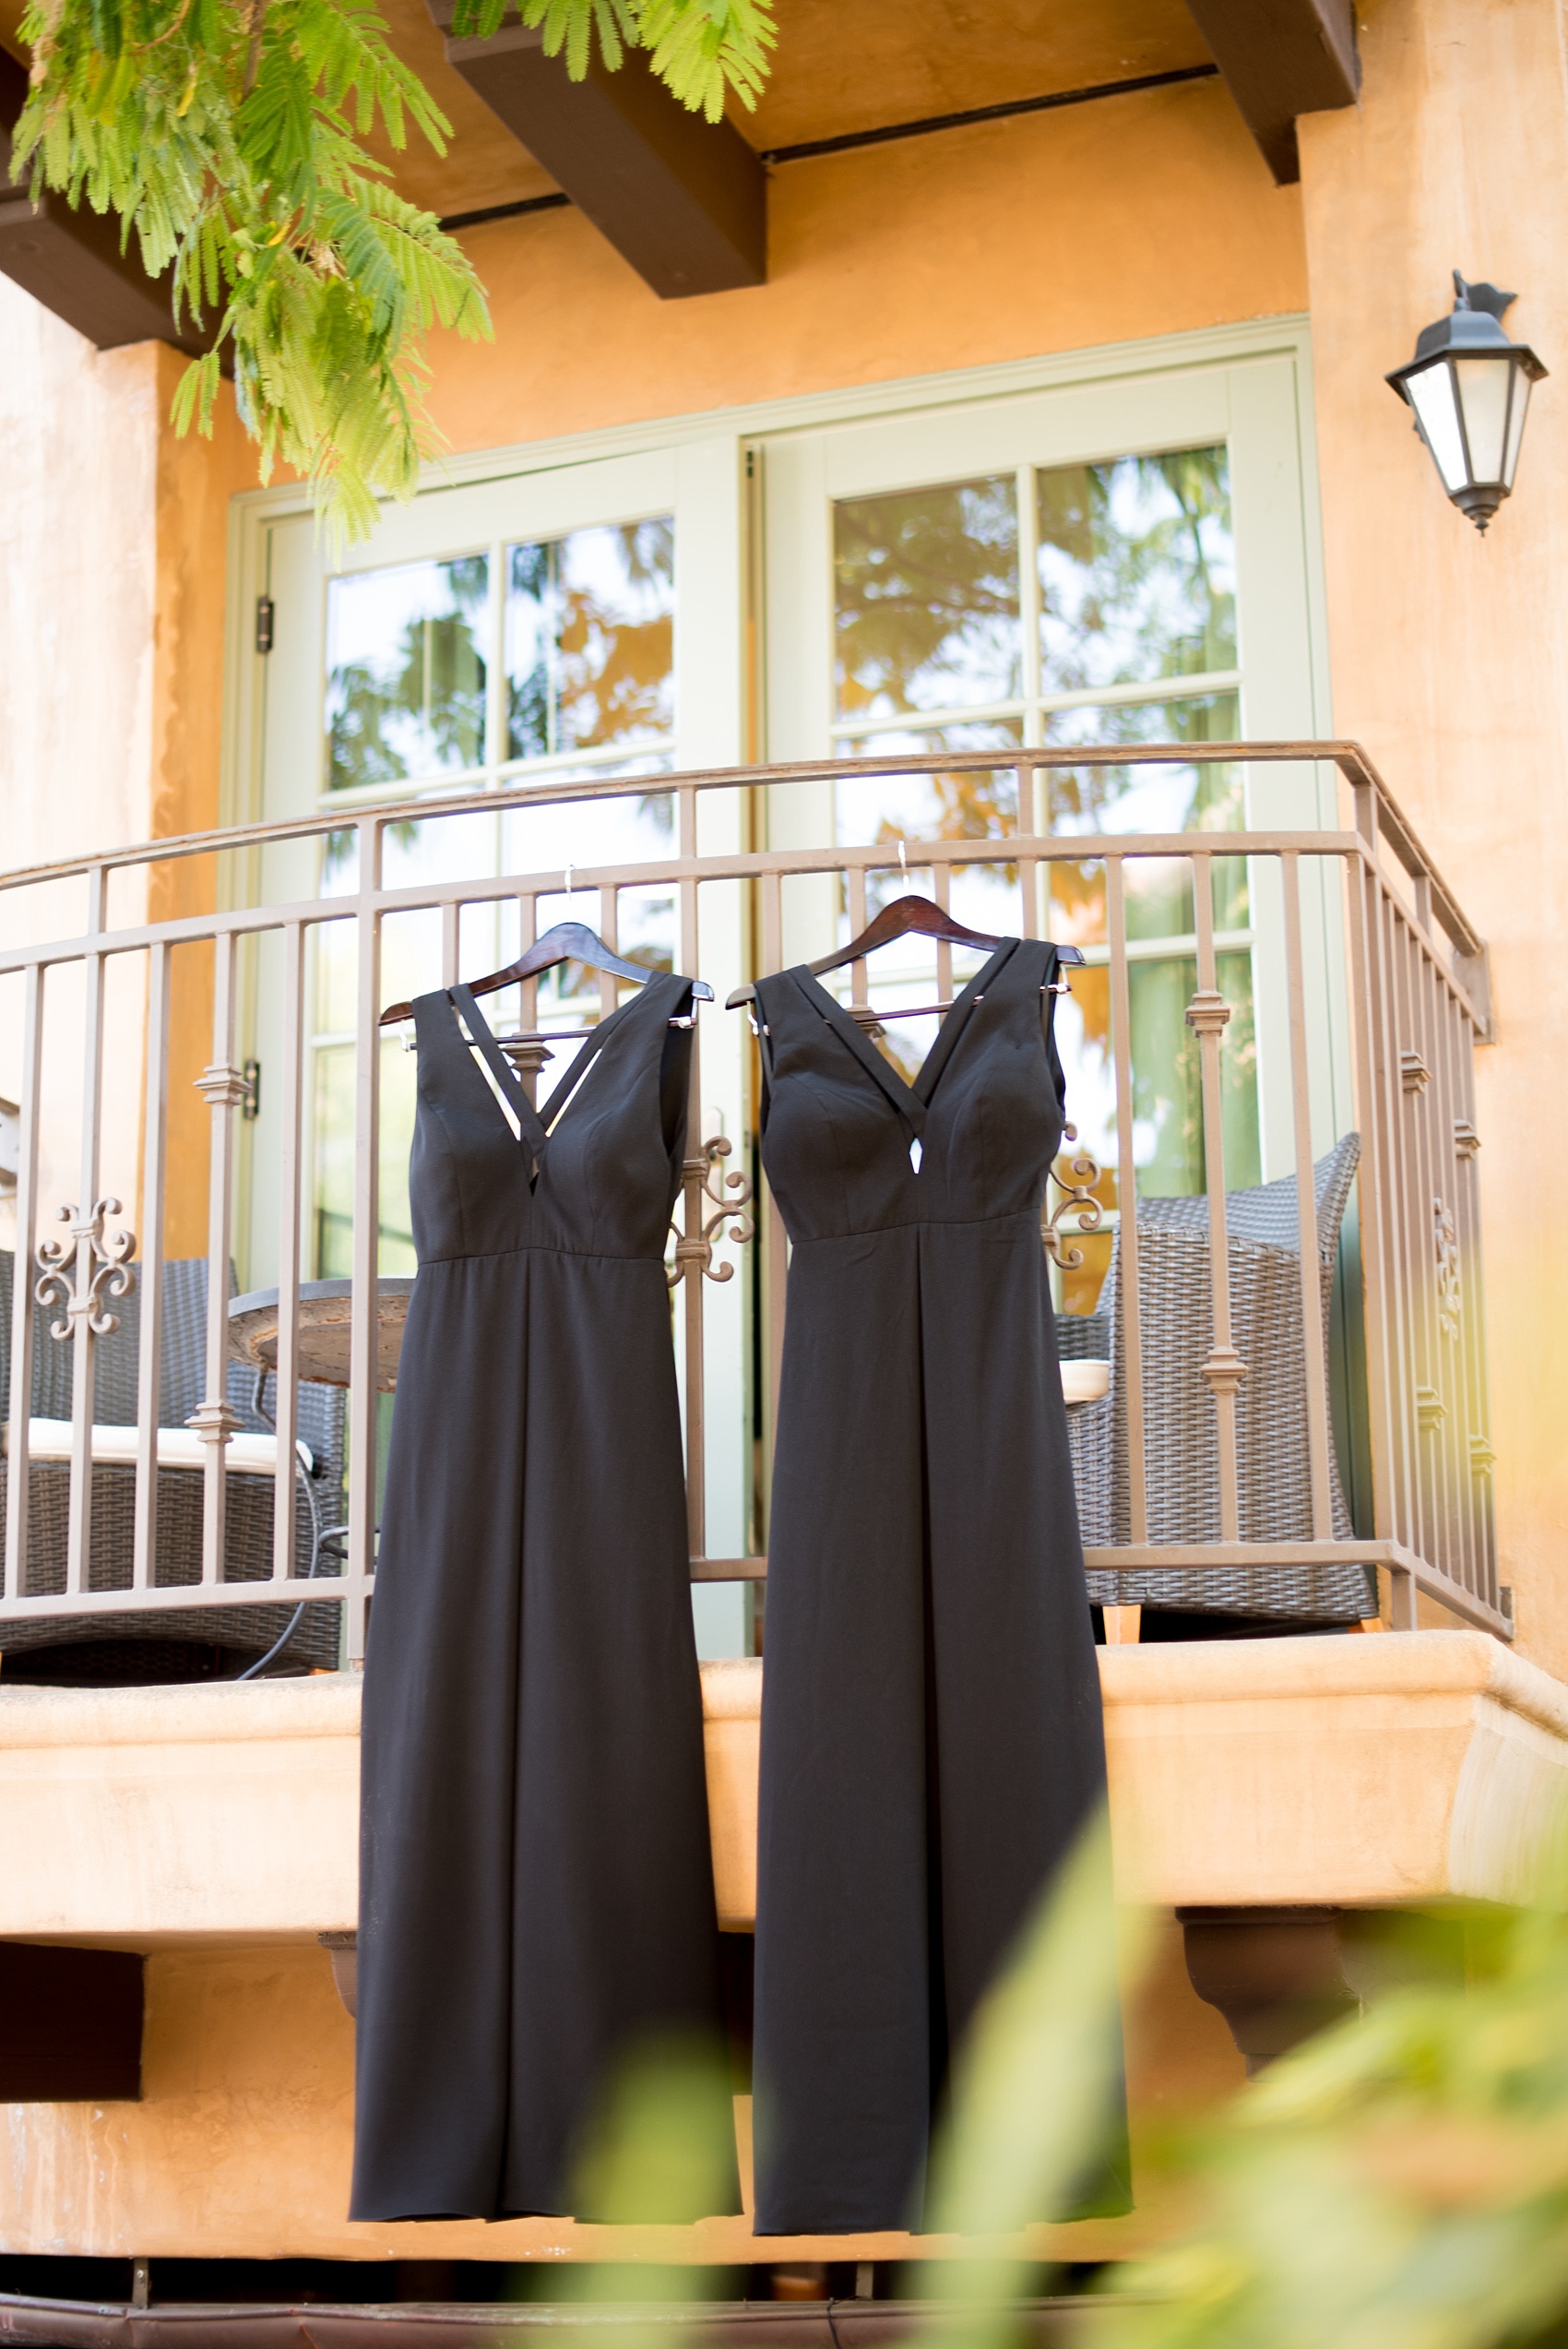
{"points": [[683, 200], [1281, 58], [885, 133]]}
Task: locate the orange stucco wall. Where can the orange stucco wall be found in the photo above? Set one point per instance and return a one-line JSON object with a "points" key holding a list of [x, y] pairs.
{"points": [[195, 480], [242, 2145], [1133, 216], [1448, 649]]}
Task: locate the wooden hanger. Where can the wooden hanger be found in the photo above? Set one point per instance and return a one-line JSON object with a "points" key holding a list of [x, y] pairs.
{"points": [[565, 942], [905, 917]]}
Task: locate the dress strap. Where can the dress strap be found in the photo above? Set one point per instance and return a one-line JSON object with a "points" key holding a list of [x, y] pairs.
{"points": [[1047, 995], [599, 1037], [532, 1134]]}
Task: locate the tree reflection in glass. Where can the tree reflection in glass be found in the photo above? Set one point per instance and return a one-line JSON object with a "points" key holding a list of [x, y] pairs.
{"points": [[1134, 579], [406, 676], [1137, 570], [590, 639]]}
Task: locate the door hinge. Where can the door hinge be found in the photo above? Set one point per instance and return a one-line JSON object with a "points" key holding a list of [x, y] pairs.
{"points": [[264, 624]]}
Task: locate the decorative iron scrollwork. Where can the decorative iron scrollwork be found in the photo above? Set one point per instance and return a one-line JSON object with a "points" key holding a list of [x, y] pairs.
{"points": [[1077, 1202], [80, 1274], [694, 1248], [1450, 1298]]}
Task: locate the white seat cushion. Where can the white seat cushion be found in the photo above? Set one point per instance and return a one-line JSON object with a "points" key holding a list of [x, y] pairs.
{"points": [[177, 1447]]}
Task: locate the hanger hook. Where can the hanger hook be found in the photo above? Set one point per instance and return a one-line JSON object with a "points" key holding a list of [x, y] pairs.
{"points": [[903, 859], [570, 870]]}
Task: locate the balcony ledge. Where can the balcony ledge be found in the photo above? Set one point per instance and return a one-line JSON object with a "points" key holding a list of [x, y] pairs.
{"points": [[1413, 1769]]}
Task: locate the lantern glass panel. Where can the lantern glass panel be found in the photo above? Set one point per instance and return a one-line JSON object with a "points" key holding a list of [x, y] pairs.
{"points": [[1431, 396], [1483, 398], [1516, 425]]}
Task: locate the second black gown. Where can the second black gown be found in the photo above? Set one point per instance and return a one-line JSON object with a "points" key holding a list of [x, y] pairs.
{"points": [[931, 1731]]}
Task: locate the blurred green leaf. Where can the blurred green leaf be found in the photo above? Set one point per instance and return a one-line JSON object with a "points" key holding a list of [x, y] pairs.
{"points": [[662, 2152], [1400, 2182], [1036, 2093]]}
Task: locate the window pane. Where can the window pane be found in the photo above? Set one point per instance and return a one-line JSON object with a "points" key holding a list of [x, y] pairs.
{"points": [[405, 689], [1138, 571], [926, 599], [590, 635], [333, 1123], [1207, 798], [599, 831], [1167, 1140], [966, 804]]}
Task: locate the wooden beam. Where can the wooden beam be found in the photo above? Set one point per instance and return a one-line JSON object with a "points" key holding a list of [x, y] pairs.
{"points": [[71, 261], [683, 199], [70, 2024], [1281, 58]]}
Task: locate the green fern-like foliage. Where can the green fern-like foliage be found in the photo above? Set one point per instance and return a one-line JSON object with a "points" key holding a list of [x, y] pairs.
{"points": [[226, 136], [698, 48]]}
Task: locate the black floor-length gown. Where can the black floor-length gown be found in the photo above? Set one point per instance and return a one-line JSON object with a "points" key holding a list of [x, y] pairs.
{"points": [[536, 1898], [932, 1740]]}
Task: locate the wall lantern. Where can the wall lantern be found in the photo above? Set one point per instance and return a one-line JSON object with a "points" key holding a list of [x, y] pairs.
{"points": [[1469, 387]]}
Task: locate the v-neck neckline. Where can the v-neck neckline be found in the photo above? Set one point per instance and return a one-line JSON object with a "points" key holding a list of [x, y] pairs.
{"points": [[913, 1101], [538, 1138]]}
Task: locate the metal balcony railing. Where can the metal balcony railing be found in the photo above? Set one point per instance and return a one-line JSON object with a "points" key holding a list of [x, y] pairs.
{"points": [[1376, 971]]}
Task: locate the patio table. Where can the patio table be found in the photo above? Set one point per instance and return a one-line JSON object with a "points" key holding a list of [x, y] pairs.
{"points": [[324, 1324]]}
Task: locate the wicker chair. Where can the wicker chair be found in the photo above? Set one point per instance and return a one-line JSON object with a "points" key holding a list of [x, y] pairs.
{"points": [[158, 1639], [1181, 1440]]}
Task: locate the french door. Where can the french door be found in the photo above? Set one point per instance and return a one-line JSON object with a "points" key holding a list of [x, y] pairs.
{"points": [[575, 621]]}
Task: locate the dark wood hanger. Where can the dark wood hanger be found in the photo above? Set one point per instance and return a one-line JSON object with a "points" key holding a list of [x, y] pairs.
{"points": [[565, 942], [906, 917]]}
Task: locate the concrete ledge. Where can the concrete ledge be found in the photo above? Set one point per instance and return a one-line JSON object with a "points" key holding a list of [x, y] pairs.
{"points": [[1407, 1768], [1400, 1769], [325, 1704]]}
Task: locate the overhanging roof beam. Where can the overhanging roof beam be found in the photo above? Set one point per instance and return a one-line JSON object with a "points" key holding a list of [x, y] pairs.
{"points": [[1281, 58], [683, 199]]}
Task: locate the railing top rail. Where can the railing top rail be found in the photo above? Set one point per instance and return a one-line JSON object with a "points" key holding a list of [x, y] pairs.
{"points": [[1389, 822]]}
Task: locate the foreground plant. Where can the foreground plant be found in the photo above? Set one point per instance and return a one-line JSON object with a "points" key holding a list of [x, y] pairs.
{"points": [[1401, 2183], [228, 137]]}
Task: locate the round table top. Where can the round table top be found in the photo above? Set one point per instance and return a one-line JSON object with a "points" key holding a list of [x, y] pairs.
{"points": [[326, 1318]]}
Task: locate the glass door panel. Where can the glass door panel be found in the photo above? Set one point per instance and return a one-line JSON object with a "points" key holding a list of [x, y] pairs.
{"points": [[1056, 597]]}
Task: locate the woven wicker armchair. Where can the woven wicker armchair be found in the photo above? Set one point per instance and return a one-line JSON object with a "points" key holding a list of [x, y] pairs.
{"points": [[1181, 1441], [156, 1638]]}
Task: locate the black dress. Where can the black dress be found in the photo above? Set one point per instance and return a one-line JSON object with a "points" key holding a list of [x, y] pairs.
{"points": [[931, 1728], [536, 1891]]}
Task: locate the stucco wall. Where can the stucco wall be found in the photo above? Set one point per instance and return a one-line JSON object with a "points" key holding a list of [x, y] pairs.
{"points": [[78, 593], [1132, 216], [242, 2145], [196, 481], [1448, 649], [112, 547]]}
